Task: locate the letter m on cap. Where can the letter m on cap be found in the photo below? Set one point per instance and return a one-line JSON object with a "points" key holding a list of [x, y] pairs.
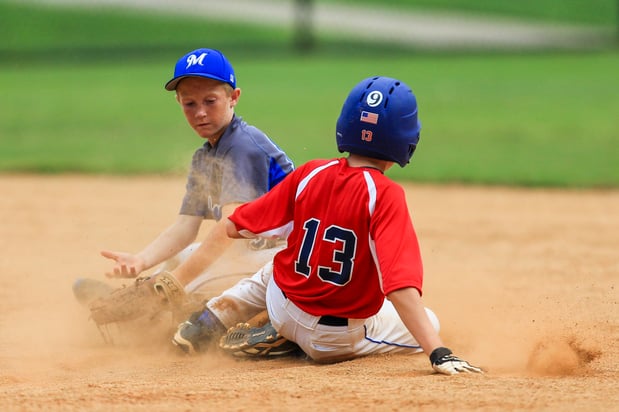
{"points": [[192, 60]]}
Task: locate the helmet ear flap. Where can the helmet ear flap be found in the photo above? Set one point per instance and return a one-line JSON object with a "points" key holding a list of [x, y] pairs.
{"points": [[412, 147], [411, 151]]}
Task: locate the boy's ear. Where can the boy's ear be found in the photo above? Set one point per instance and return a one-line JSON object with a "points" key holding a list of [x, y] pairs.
{"points": [[236, 94], [176, 97]]}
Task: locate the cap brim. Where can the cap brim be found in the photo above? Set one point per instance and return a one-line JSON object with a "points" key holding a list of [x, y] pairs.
{"points": [[172, 84]]}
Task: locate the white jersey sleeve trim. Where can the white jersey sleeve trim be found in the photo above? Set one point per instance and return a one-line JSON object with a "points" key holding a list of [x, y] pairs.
{"points": [[371, 185], [371, 191], [281, 232], [309, 177]]}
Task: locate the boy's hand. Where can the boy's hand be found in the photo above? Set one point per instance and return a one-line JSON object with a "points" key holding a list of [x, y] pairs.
{"points": [[445, 362], [127, 265]]}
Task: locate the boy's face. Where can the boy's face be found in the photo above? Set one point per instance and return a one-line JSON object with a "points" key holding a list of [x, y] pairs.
{"points": [[208, 105]]}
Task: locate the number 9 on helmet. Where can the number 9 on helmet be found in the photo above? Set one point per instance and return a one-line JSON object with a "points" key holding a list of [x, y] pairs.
{"points": [[379, 120]]}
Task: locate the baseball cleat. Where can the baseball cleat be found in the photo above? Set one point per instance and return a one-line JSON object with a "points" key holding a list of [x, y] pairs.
{"points": [[257, 341], [197, 332]]}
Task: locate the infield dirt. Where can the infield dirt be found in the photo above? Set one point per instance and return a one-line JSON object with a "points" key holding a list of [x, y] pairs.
{"points": [[524, 282]]}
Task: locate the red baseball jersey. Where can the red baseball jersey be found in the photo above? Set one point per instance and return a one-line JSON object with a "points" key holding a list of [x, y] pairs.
{"points": [[352, 240]]}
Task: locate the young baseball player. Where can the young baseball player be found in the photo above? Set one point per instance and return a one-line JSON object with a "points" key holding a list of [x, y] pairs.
{"points": [[351, 245], [237, 163]]}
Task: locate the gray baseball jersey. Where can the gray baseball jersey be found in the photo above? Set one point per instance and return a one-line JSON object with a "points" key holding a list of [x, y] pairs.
{"points": [[243, 165]]}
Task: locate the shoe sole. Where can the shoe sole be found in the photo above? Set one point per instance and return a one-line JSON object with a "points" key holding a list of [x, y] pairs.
{"points": [[183, 344]]}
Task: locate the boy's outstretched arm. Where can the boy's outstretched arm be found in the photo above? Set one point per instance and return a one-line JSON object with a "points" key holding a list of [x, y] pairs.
{"points": [[211, 248], [171, 241], [409, 305]]}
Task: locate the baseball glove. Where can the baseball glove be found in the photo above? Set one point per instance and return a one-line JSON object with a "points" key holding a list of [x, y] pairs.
{"points": [[146, 296]]}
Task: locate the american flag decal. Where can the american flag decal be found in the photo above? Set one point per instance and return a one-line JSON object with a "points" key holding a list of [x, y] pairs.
{"points": [[369, 117]]}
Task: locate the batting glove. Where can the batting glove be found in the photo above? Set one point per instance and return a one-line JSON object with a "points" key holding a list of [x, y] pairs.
{"points": [[445, 362]]}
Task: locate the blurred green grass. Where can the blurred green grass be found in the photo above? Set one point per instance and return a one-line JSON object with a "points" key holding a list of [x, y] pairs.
{"points": [[538, 119], [589, 12], [79, 34]]}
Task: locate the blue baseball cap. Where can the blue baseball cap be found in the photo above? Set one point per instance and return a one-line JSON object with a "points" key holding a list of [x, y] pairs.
{"points": [[208, 63]]}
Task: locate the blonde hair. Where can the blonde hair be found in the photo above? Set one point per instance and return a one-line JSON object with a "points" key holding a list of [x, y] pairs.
{"points": [[228, 88]]}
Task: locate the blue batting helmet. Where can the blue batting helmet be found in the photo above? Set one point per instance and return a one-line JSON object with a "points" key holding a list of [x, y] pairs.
{"points": [[379, 119]]}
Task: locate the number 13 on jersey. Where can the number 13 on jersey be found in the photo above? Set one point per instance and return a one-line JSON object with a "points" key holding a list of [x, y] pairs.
{"points": [[336, 270]]}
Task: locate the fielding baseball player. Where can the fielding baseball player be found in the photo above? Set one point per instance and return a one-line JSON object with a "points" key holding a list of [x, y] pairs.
{"points": [[237, 163], [352, 243]]}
